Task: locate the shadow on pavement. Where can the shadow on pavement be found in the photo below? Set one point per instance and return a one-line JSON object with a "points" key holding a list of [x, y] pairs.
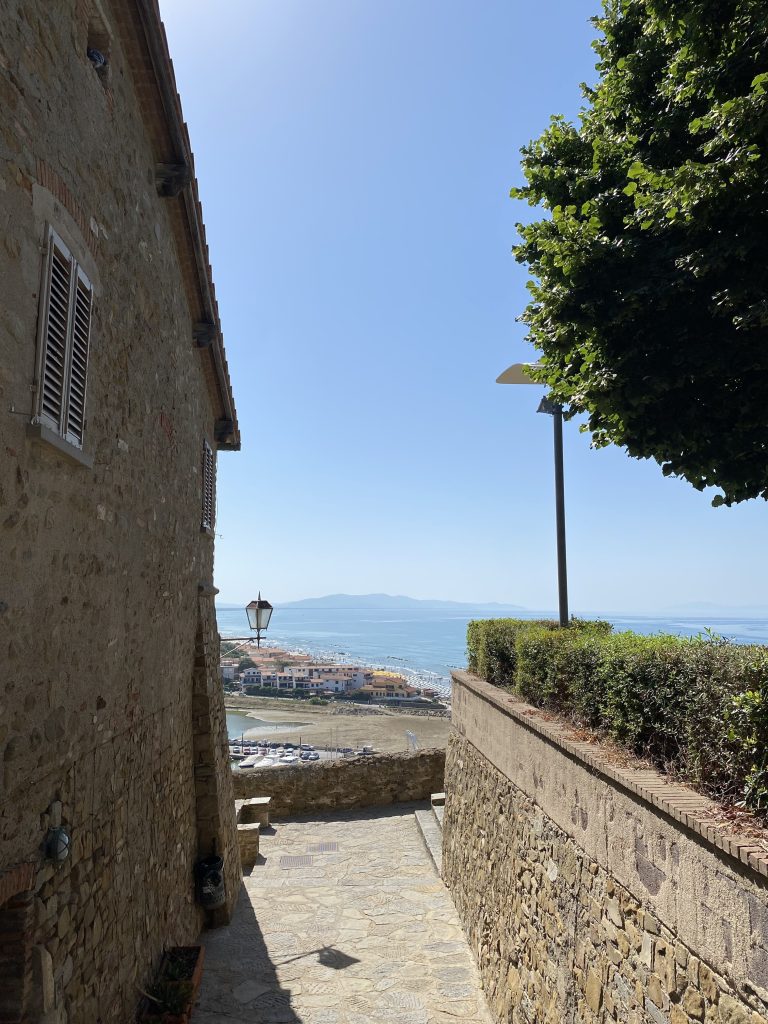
{"points": [[240, 984]]}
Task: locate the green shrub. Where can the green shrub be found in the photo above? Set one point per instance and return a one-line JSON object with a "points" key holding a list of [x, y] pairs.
{"points": [[695, 707], [557, 669], [727, 741], [492, 644]]}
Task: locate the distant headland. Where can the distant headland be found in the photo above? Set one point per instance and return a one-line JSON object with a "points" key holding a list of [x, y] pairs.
{"points": [[391, 602]]}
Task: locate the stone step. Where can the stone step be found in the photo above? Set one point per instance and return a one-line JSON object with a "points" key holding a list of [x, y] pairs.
{"points": [[438, 799], [432, 835]]}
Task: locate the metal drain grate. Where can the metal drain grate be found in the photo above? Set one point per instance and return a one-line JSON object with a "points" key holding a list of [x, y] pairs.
{"points": [[324, 848], [302, 861]]}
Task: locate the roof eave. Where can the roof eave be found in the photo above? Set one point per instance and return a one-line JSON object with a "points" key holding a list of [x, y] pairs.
{"points": [[186, 194]]}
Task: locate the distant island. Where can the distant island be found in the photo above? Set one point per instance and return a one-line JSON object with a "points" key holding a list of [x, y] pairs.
{"points": [[390, 602], [400, 602]]}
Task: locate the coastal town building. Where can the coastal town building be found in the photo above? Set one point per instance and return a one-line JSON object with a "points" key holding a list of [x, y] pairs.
{"points": [[385, 685], [354, 675], [290, 680], [116, 400], [278, 680], [328, 679]]}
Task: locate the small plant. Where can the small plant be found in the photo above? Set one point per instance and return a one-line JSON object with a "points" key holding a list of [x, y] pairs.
{"points": [[169, 1000], [179, 965], [170, 997]]}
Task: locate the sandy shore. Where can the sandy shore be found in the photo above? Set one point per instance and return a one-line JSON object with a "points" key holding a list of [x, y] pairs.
{"points": [[319, 726]]}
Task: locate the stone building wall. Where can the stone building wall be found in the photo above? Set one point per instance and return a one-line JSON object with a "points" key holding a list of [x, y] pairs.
{"points": [[346, 783], [214, 790], [105, 626], [583, 900]]}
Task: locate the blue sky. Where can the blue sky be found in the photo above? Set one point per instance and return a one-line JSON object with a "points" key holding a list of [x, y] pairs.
{"points": [[355, 159]]}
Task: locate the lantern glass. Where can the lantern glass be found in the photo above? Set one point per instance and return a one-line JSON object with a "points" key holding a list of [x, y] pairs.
{"points": [[259, 613]]}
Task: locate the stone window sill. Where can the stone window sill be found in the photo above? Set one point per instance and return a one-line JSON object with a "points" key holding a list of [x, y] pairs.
{"points": [[44, 435]]}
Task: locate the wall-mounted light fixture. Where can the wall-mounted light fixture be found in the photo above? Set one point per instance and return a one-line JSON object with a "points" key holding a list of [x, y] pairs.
{"points": [[259, 613], [56, 845]]}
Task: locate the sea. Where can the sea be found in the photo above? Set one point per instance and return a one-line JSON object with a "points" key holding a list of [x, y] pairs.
{"points": [[425, 644]]}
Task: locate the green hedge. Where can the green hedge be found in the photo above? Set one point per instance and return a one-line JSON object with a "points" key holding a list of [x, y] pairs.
{"points": [[697, 708], [491, 643]]}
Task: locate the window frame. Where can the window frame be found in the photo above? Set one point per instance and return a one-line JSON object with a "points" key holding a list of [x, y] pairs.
{"points": [[59, 429]]}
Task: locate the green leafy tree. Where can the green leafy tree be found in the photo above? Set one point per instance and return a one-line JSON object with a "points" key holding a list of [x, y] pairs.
{"points": [[246, 663], [650, 298]]}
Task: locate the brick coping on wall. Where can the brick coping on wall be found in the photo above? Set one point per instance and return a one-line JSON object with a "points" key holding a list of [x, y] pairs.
{"points": [[691, 809]]}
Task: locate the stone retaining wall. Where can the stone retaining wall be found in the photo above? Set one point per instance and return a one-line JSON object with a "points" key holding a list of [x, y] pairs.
{"points": [[346, 783], [584, 900]]}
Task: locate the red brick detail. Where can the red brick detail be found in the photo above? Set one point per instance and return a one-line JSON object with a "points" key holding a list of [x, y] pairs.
{"points": [[16, 880], [48, 178]]}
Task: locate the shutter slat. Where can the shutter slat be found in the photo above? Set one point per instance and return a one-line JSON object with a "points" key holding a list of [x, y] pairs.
{"points": [[55, 363], [58, 309]]}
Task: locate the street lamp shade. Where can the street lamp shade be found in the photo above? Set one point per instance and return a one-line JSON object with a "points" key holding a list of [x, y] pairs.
{"points": [[259, 613], [518, 373]]}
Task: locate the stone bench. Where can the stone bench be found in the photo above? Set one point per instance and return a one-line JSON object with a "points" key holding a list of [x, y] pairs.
{"points": [[250, 816], [255, 808]]}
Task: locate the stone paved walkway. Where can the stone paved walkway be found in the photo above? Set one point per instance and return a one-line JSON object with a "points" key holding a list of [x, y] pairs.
{"points": [[359, 931]]}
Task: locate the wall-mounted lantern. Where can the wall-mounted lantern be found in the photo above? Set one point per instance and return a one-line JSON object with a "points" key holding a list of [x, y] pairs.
{"points": [[56, 845], [259, 613]]}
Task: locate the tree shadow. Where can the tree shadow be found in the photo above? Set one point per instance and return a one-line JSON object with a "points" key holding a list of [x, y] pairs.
{"points": [[327, 956]]}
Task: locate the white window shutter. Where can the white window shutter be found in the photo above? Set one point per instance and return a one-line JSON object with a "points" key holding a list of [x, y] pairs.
{"points": [[54, 371], [81, 331]]}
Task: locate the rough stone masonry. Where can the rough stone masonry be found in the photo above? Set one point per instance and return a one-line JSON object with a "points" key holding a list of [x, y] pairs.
{"points": [[112, 725], [345, 783]]}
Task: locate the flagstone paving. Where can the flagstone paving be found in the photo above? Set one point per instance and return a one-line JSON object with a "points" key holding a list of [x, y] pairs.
{"points": [[342, 921]]}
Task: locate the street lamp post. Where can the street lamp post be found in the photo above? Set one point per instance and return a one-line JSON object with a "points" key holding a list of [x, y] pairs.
{"points": [[518, 374]]}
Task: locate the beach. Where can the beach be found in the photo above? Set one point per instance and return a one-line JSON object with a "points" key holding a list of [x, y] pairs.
{"points": [[323, 727]]}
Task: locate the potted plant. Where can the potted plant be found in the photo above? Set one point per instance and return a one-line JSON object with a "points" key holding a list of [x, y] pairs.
{"points": [[171, 998]]}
